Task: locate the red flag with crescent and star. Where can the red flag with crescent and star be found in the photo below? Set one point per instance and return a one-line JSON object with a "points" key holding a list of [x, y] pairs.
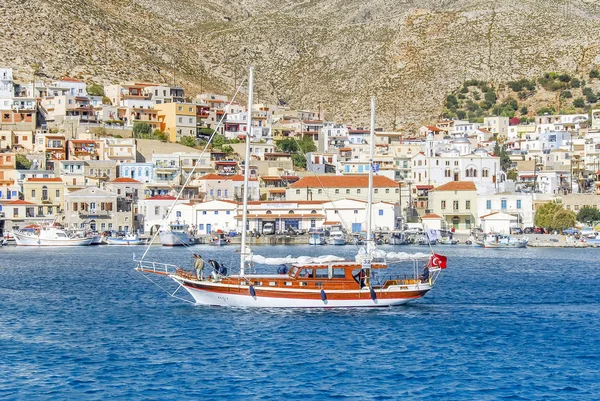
{"points": [[437, 260]]}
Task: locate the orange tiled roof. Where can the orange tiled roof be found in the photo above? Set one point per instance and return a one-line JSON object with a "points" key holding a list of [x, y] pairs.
{"points": [[125, 179], [431, 216], [55, 179], [162, 197], [343, 181], [69, 79], [20, 202], [457, 186]]}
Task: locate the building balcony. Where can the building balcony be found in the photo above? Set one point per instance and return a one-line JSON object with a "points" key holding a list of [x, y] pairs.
{"points": [[95, 213], [6, 182]]}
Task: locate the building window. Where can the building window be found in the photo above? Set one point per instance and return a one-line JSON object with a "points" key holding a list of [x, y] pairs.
{"points": [[443, 204], [297, 192], [58, 193], [355, 211], [216, 212], [375, 191], [576, 207], [455, 205], [347, 191], [488, 204], [204, 212], [320, 191], [503, 204], [228, 212], [358, 191], [468, 223], [468, 205], [337, 191], [178, 213], [387, 190], [518, 203], [33, 193], [381, 212]]}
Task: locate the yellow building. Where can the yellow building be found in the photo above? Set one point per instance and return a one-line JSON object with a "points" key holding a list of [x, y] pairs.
{"points": [[177, 120], [45, 194]]}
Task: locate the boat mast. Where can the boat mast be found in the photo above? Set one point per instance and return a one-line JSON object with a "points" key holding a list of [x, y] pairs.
{"points": [[246, 170], [370, 191]]}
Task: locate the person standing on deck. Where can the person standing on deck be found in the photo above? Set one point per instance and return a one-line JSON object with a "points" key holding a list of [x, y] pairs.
{"points": [[199, 266]]}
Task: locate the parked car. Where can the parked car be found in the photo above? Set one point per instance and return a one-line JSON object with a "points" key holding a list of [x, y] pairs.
{"points": [[539, 230], [528, 230], [570, 231], [516, 230]]}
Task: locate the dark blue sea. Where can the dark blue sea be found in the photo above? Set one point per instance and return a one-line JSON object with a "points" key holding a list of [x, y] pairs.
{"points": [[81, 324]]}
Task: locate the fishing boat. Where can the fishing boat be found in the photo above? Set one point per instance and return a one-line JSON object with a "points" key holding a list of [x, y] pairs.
{"points": [[316, 237], [220, 239], [398, 238], [175, 234], [447, 241], [337, 237], [49, 235], [322, 283], [127, 239], [496, 240]]}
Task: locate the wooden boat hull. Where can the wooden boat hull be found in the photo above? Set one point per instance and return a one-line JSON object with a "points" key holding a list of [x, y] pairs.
{"points": [[217, 294]]}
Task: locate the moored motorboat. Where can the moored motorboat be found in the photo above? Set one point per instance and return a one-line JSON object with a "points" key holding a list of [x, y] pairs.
{"points": [[49, 236], [219, 239], [176, 234], [398, 238], [316, 237], [127, 239], [337, 237], [496, 240]]}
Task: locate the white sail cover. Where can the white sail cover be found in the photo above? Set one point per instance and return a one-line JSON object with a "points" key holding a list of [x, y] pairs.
{"points": [[362, 254]]}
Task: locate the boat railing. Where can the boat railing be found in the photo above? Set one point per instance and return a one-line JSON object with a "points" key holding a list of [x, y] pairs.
{"points": [[157, 267]]}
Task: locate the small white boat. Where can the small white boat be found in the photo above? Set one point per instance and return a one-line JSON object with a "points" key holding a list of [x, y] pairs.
{"points": [[128, 239], [495, 240], [447, 241], [316, 238], [175, 235], [219, 240], [337, 237], [49, 236]]}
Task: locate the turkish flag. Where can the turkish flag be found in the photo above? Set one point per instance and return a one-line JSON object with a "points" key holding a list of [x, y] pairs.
{"points": [[437, 260]]}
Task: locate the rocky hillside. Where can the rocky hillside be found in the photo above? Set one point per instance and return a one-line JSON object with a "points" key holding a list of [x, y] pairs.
{"points": [[409, 53]]}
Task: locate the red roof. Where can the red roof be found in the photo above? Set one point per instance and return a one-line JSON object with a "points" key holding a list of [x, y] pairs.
{"points": [[211, 176], [343, 181], [432, 128], [424, 186], [457, 186], [20, 202], [162, 197], [431, 216], [125, 179], [54, 179]]}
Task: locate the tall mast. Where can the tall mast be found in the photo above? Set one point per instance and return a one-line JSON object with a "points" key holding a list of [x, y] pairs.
{"points": [[246, 170], [370, 191]]}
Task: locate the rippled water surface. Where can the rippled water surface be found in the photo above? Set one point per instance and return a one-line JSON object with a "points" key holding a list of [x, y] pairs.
{"points": [[80, 323]]}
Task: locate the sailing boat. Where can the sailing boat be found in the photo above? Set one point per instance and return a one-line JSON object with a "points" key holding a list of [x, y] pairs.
{"points": [[317, 284]]}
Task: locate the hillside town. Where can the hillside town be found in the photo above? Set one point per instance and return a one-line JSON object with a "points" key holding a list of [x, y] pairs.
{"points": [[120, 158]]}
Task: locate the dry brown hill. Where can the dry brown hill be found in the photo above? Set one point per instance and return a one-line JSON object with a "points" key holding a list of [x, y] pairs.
{"points": [[410, 53]]}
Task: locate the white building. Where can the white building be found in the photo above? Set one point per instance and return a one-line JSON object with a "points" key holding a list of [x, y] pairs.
{"points": [[154, 211], [519, 205]]}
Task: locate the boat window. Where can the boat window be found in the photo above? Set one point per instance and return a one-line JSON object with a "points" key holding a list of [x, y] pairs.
{"points": [[273, 283], [303, 283], [322, 273], [339, 273], [293, 271], [288, 283], [306, 273]]}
